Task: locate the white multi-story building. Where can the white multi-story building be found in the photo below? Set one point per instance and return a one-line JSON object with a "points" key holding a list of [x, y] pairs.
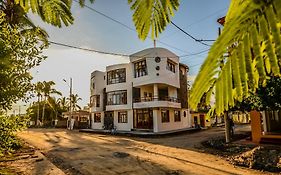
{"points": [[148, 93]]}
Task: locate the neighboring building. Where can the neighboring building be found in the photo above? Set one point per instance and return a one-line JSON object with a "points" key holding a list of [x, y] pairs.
{"points": [[82, 119], [148, 93], [266, 126]]}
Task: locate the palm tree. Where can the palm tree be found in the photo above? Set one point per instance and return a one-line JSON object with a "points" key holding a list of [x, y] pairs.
{"points": [[39, 91], [47, 91], [55, 105], [74, 102], [64, 104]]}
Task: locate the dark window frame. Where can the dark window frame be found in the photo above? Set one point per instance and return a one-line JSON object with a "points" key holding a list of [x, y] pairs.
{"points": [[122, 117], [171, 66], [95, 100], [177, 116], [116, 76], [140, 68], [165, 118], [97, 117], [117, 97]]}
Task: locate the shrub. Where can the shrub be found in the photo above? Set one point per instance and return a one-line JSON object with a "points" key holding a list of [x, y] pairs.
{"points": [[8, 128]]}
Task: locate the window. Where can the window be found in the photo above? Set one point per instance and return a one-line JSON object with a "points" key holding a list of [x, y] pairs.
{"points": [[116, 76], [97, 117], [95, 100], [177, 116], [165, 116], [171, 66], [140, 68], [117, 98], [122, 117]]}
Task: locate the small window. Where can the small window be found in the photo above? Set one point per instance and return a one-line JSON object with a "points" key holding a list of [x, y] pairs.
{"points": [[140, 68], [171, 66], [122, 117], [97, 117], [177, 116], [165, 116], [95, 101]]}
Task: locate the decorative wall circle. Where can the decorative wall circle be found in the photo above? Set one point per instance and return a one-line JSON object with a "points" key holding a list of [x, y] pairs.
{"points": [[157, 59], [157, 67]]}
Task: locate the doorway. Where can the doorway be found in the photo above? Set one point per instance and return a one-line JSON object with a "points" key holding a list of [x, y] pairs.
{"points": [[143, 119], [108, 120]]}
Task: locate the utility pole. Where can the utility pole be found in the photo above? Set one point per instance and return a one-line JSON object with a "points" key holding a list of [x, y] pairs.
{"points": [[70, 97]]}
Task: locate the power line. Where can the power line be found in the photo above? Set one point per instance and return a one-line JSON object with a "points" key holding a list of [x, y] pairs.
{"points": [[192, 37], [198, 21], [90, 50], [112, 53], [126, 26], [196, 53]]}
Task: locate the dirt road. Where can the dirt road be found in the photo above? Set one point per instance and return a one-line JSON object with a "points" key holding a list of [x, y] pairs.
{"points": [[83, 153]]}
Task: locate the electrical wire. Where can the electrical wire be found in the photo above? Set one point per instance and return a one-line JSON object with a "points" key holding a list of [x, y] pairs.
{"points": [[192, 37], [126, 26], [112, 53]]}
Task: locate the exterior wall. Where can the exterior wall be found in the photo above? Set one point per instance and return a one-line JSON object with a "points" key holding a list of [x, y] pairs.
{"points": [[206, 122], [121, 86], [165, 76], [124, 126], [256, 126], [150, 104], [150, 83], [99, 125], [172, 125], [97, 78], [183, 91]]}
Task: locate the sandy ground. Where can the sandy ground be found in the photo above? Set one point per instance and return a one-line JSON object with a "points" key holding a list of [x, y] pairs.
{"points": [[81, 153], [29, 164]]}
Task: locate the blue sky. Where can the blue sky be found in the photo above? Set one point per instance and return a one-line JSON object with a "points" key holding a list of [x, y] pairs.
{"points": [[91, 30]]}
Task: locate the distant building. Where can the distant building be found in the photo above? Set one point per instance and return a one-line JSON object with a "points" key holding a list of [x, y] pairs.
{"points": [[148, 94]]}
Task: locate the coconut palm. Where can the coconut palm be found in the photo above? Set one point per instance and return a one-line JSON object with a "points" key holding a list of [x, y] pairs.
{"points": [[74, 102], [55, 105], [64, 104], [47, 91], [39, 91]]}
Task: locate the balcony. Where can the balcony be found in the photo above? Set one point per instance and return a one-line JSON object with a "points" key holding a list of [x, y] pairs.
{"points": [[155, 101]]}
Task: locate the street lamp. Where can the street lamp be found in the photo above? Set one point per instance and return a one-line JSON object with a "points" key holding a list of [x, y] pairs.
{"points": [[70, 94]]}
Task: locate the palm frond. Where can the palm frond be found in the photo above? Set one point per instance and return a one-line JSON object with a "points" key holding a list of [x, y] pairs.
{"points": [[152, 16], [54, 12], [251, 37]]}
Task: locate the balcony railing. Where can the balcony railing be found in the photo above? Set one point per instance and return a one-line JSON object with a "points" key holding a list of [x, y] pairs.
{"points": [[156, 98]]}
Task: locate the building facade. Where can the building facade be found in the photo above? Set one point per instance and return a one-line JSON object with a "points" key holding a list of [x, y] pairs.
{"points": [[148, 93]]}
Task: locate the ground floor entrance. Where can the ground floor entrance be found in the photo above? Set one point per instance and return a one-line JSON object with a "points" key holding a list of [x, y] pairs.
{"points": [[108, 120], [143, 119]]}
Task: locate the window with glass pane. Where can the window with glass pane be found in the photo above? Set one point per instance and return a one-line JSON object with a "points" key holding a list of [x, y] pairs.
{"points": [[117, 98], [171, 66], [140, 68], [177, 116], [122, 117], [95, 100], [165, 116], [116, 76], [97, 117]]}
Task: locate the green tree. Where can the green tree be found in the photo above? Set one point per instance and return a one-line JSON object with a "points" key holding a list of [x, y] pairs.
{"points": [[19, 52], [74, 102], [47, 90]]}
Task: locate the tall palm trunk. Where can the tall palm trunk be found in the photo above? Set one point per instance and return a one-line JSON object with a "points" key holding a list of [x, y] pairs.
{"points": [[43, 112], [38, 111]]}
